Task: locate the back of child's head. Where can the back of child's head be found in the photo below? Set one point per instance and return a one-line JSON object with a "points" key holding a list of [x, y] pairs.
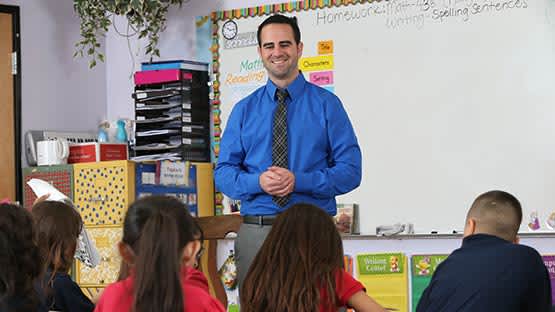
{"points": [[58, 226], [157, 229], [19, 257], [496, 213], [300, 256]]}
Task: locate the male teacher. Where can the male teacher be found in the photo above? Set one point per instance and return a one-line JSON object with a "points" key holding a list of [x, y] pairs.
{"points": [[289, 141]]}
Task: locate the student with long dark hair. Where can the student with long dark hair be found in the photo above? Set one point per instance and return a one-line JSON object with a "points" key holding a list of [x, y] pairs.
{"points": [[20, 264], [158, 245], [58, 226], [300, 268]]}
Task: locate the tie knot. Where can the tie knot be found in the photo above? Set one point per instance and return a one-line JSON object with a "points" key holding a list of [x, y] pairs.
{"points": [[281, 94]]}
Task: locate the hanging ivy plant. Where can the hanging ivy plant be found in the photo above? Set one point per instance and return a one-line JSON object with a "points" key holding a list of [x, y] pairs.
{"points": [[147, 18]]}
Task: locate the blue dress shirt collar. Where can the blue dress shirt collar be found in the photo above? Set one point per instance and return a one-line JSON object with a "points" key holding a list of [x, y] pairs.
{"points": [[294, 89]]}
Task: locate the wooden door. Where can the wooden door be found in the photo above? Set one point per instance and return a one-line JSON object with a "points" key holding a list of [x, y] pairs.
{"points": [[10, 164]]}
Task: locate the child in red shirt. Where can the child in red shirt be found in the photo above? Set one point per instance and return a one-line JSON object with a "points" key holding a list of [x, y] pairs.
{"points": [[299, 265], [159, 247]]}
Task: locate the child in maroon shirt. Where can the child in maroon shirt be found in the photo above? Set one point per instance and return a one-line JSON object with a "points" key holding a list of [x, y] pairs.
{"points": [[159, 246], [300, 268]]}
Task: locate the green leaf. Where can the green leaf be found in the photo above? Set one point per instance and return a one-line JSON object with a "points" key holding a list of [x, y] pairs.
{"points": [[147, 19], [136, 4]]}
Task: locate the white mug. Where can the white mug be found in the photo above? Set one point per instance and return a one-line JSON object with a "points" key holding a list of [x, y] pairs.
{"points": [[52, 152]]}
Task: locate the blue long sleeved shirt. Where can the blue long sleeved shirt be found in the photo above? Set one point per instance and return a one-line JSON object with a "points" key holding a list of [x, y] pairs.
{"points": [[323, 151]]}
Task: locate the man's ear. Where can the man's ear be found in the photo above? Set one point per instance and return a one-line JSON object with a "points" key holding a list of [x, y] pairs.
{"points": [[126, 253], [300, 47]]}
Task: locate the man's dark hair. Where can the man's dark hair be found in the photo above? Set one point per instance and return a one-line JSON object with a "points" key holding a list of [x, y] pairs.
{"points": [[497, 213], [281, 19]]}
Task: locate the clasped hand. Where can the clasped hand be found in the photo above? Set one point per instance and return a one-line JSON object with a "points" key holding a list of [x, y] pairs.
{"points": [[277, 181]]}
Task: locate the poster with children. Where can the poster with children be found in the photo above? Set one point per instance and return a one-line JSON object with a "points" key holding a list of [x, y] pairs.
{"points": [[422, 268], [386, 279]]}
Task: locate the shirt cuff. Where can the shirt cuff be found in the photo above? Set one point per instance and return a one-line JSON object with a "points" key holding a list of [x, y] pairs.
{"points": [[253, 184], [303, 182]]}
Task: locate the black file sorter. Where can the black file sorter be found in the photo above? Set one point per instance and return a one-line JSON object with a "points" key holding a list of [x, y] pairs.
{"points": [[172, 118]]}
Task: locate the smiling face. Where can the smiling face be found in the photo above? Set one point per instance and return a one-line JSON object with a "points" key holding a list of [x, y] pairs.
{"points": [[280, 53]]}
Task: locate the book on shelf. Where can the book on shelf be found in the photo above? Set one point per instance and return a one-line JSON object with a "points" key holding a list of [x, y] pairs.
{"points": [[347, 219]]}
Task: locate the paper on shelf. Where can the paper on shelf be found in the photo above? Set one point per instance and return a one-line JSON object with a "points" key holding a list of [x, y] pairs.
{"points": [[155, 132], [161, 156]]}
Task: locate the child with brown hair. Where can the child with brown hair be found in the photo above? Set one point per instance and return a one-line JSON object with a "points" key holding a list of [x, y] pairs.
{"points": [[300, 268], [20, 264], [58, 226], [160, 243]]}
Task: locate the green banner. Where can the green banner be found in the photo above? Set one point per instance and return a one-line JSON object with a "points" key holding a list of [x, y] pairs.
{"points": [[425, 265], [384, 263], [422, 267]]}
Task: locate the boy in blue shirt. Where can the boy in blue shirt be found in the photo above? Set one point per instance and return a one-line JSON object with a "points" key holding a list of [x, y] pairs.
{"points": [[491, 271]]}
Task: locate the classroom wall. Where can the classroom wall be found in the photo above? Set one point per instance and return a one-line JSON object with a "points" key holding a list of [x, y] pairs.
{"points": [[53, 81], [438, 120], [177, 42], [58, 91], [410, 245]]}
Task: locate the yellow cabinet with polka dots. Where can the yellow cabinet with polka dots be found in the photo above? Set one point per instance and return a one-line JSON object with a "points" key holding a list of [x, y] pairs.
{"points": [[106, 239], [103, 191]]}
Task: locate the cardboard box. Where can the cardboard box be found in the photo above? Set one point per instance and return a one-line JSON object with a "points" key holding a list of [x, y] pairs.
{"points": [[92, 152]]}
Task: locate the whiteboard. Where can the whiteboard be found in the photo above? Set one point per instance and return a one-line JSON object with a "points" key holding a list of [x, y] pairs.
{"points": [[448, 98]]}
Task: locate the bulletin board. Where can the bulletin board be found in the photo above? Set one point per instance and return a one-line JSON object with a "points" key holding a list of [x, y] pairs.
{"points": [[448, 98]]}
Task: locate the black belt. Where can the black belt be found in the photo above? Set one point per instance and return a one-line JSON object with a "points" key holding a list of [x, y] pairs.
{"points": [[260, 220]]}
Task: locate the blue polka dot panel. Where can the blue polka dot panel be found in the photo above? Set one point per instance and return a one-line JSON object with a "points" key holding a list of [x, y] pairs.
{"points": [[104, 190]]}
